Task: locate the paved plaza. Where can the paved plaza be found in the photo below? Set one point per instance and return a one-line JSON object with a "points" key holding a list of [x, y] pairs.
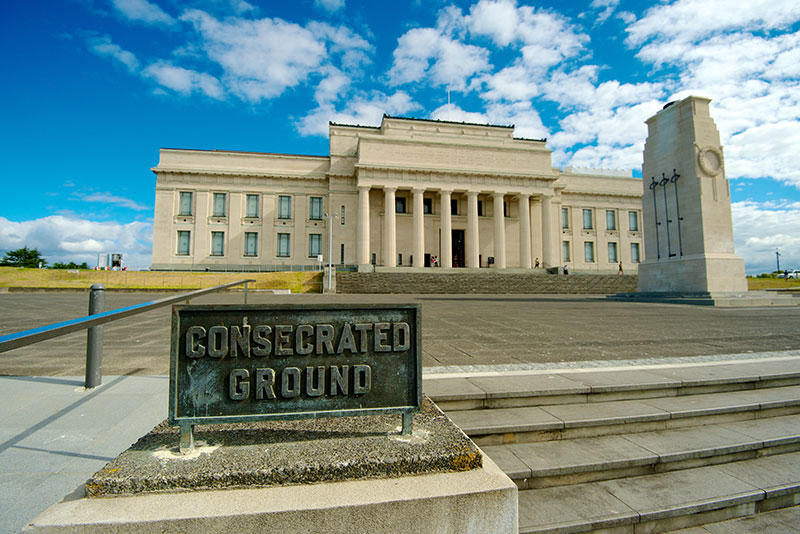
{"points": [[53, 434], [458, 330]]}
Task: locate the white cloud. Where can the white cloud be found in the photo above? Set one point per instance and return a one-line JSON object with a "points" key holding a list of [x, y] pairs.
{"points": [[184, 81], [759, 229], [143, 11], [606, 7], [330, 6], [108, 198], [364, 109], [102, 46], [262, 58], [68, 239], [453, 113]]}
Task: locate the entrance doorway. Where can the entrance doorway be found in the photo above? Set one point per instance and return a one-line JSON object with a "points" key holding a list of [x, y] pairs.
{"points": [[458, 248]]}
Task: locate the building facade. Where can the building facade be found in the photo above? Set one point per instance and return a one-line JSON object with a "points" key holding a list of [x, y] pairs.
{"points": [[408, 193]]}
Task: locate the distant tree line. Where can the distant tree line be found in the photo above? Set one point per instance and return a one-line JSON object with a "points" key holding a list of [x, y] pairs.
{"points": [[30, 257]]}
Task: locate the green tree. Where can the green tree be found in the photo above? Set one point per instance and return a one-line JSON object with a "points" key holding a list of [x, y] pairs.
{"points": [[70, 265], [23, 257]]}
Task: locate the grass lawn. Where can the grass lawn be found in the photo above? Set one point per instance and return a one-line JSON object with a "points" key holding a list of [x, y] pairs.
{"points": [[756, 284], [297, 282]]}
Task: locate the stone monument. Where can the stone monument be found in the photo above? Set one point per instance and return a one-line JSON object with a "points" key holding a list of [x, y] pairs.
{"points": [[686, 206]]}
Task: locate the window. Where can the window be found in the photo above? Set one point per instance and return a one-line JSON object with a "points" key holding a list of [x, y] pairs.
{"points": [[341, 254], [314, 245], [612, 253], [587, 220], [427, 206], [315, 209], [400, 205], [399, 259], [341, 219], [480, 208], [564, 217], [588, 251], [252, 206], [219, 205], [635, 251], [505, 209], [611, 220], [183, 242], [217, 243], [285, 208], [633, 221], [453, 206], [374, 259], [283, 245], [185, 204], [565, 251], [250, 244]]}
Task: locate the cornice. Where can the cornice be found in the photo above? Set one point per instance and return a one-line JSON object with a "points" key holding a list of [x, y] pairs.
{"points": [[249, 174], [456, 172]]}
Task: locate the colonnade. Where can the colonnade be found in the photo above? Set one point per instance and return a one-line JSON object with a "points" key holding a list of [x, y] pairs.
{"points": [[549, 237]]}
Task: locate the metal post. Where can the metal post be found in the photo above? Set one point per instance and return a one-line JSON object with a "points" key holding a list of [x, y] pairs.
{"points": [[94, 339], [674, 180], [663, 183], [187, 438], [653, 186], [408, 420]]}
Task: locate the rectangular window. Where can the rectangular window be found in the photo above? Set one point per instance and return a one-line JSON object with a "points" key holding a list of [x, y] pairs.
{"points": [[611, 220], [427, 206], [183, 242], [315, 208], [283, 245], [342, 217], [284, 207], [453, 206], [250, 244], [252, 206], [565, 251], [341, 254], [505, 209], [588, 251], [635, 252], [219, 205], [314, 245], [633, 221], [564, 217], [185, 205], [217, 243], [399, 259], [587, 220], [612, 253], [400, 204], [480, 208]]}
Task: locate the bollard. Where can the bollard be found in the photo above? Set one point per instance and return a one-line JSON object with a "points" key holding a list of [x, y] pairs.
{"points": [[94, 339]]}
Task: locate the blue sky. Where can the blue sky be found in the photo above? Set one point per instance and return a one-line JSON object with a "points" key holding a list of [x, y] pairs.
{"points": [[93, 88]]}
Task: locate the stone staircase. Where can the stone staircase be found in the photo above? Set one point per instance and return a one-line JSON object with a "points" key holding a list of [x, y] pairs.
{"points": [[638, 451], [483, 281]]}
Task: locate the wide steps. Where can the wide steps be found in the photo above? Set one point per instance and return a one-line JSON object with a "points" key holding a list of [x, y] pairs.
{"points": [[637, 451], [483, 282], [664, 501]]}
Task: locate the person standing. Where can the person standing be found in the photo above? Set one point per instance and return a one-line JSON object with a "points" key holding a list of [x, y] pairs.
{"points": [[620, 268]]}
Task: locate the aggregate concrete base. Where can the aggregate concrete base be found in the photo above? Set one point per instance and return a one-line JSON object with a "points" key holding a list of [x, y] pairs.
{"points": [[476, 501], [721, 299]]}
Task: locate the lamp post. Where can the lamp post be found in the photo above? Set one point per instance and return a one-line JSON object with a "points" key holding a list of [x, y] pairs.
{"points": [[330, 219]]}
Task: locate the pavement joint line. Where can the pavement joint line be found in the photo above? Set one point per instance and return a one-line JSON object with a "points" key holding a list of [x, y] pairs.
{"points": [[445, 372]]}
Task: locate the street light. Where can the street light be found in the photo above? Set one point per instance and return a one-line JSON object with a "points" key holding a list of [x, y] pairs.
{"points": [[330, 245]]}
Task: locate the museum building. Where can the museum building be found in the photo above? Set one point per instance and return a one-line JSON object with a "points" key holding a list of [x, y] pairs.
{"points": [[407, 193]]}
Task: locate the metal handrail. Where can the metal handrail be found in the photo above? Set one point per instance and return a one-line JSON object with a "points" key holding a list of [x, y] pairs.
{"points": [[43, 333]]}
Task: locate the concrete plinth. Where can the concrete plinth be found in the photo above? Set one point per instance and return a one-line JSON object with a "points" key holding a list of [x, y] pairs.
{"points": [[341, 475]]}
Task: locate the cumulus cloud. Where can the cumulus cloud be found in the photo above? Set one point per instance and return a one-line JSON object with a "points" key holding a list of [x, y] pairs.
{"points": [[361, 108], [67, 239], [184, 81], [761, 228], [330, 6], [103, 47], [143, 11]]}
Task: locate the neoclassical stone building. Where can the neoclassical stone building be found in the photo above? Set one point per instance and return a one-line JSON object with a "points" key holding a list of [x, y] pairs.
{"points": [[408, 193]]}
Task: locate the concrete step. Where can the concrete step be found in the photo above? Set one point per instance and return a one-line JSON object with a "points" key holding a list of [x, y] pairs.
{"points": [[566, 387], [664, 501], [782, 521], [566, 421], [574, 461]]}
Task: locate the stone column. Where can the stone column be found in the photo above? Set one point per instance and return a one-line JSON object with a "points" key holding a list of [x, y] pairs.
{"points": [[447, 231], [499, 232], [419, 229], [363, 226], [472, 245], [525, 232], [389, 228], [549, 257]]}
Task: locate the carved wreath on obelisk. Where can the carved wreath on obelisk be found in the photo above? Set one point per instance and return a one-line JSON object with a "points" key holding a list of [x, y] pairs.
{"points": [[710, 160]]}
